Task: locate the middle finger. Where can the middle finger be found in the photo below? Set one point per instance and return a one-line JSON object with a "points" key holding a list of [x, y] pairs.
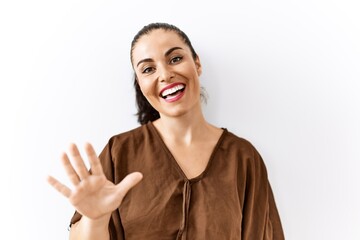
{"points": [[79, 164]]}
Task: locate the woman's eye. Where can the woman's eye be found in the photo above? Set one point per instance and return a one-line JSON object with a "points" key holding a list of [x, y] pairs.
{"points": [[148, 70], [175, 59]]}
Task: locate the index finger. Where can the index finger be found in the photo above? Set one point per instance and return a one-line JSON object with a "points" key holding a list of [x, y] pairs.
{"points": [[95, 165]]}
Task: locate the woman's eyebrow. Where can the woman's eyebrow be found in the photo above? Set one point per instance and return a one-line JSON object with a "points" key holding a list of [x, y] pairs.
{"points": [[167, 53], [144, 60]]}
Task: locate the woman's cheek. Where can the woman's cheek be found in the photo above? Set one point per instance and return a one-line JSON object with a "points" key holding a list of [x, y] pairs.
{"points": [[147, 88]]}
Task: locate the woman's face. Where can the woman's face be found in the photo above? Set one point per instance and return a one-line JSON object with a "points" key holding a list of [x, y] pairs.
{"points": [[167, 73]]}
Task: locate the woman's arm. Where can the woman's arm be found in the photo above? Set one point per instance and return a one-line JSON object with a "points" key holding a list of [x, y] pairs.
{"points": [[260, 215], [93, 195], [89, 229]]}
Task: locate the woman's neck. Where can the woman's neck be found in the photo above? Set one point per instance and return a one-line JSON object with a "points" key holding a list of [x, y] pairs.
{"points": [[185, 129]]}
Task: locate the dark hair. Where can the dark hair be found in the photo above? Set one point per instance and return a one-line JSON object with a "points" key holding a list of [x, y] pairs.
{"points": [[146, 112]]}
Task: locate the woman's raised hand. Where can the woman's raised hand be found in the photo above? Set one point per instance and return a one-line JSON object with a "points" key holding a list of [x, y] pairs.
{"points": [[93, 195]]}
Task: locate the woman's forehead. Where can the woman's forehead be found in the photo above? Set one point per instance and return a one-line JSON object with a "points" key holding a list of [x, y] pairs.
{"points": [[157, 42]]}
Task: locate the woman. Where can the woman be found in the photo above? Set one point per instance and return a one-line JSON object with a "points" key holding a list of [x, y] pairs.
{"points": [[194, 180]]}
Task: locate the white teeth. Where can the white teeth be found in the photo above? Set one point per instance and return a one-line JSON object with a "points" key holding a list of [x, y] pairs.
{"points": [[172, 90]]}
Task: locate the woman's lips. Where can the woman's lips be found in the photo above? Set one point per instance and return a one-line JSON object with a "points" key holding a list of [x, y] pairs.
{"points": [[177, 96], [172, 92]]}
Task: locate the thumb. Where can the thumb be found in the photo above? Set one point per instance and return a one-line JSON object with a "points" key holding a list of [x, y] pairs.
{"points": [[128, 182]]}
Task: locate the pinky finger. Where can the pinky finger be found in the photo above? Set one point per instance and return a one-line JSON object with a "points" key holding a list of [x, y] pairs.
{"points": [[61, 188]]}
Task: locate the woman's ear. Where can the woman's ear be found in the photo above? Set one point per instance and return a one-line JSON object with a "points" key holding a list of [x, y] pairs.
{"points": [[198, 65]]}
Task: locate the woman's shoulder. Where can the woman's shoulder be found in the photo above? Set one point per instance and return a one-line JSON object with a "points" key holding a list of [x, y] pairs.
{"points": [[242, 149], [233, 140], [136, 134]]}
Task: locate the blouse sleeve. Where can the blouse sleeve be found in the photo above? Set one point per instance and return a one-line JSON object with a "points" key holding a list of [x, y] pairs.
{"points": [[260, 215], [115, 226]]}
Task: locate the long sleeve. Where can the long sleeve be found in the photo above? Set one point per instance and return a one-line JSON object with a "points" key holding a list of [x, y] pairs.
{"points": [[261, 220]]}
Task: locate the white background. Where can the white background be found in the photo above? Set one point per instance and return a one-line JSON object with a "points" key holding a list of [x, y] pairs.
{"points": [[282, 74]]}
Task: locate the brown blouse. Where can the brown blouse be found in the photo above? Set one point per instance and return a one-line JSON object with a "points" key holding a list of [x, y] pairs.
{"points": [[231, 199]]}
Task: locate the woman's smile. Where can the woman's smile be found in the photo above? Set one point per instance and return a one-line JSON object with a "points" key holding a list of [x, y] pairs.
{"points": [[173, 92]]}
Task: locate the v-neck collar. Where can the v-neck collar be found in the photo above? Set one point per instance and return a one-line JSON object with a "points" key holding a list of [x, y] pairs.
{"points": [[176, 164]]}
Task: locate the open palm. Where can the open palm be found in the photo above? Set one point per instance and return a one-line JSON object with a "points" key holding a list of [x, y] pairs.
{"points": [[93, 195]]}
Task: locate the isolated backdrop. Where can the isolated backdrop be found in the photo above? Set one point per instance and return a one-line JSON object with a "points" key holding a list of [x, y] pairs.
{"points": [[282, 74]]}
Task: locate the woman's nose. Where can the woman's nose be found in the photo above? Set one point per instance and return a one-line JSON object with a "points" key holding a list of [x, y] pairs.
{"points": [[165, 74]]}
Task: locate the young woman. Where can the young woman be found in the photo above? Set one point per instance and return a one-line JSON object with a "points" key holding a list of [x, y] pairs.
{"points": [[193, 180]]}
